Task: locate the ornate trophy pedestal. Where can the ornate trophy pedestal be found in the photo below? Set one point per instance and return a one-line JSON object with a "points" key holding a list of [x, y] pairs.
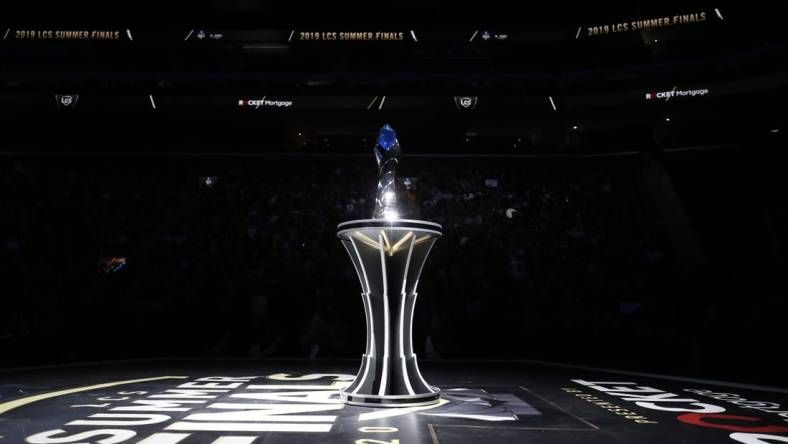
{"points": [[388, 256]]}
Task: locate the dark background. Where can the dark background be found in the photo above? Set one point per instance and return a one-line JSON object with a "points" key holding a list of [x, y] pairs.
{"points": [[619, 232]]}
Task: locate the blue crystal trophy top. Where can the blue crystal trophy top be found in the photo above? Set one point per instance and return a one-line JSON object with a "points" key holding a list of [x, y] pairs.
{"points": [[388, 252], [387, 153]]}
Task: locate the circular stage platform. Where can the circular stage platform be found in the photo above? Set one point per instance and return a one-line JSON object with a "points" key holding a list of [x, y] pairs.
{"points": [[273, 402]]}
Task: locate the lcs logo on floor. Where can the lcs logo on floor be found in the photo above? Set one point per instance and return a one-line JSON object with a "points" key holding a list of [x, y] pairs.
{"points": [[705, 408]]}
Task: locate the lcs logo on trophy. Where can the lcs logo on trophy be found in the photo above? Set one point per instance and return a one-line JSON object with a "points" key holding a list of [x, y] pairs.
{"points": [[66, 100], [388, 252]]}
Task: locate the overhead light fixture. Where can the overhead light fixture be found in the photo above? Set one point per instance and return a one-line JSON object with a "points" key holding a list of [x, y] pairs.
{"points": [[574, 127], [667, 119], [552, 103]]}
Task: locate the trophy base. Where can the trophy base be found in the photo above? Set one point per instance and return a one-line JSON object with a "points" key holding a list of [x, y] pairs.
{"points": [[391, 400], [388, 257]]}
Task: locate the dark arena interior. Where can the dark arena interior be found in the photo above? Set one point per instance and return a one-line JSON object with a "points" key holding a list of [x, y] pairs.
{"points": [[214, 228]]}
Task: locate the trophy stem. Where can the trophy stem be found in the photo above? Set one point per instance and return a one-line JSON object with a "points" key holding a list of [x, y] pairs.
{"points": [[388, 258]]}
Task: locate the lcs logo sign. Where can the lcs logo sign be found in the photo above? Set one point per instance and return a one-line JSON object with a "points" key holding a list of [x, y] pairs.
{"points": [[465, 102], [66, 100]]}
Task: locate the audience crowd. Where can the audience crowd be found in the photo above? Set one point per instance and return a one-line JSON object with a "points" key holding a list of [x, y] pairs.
{"points": [[116, 258]]}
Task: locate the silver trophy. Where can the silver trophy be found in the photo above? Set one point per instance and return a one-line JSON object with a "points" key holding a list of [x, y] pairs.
{"points": [[388, 252]]}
